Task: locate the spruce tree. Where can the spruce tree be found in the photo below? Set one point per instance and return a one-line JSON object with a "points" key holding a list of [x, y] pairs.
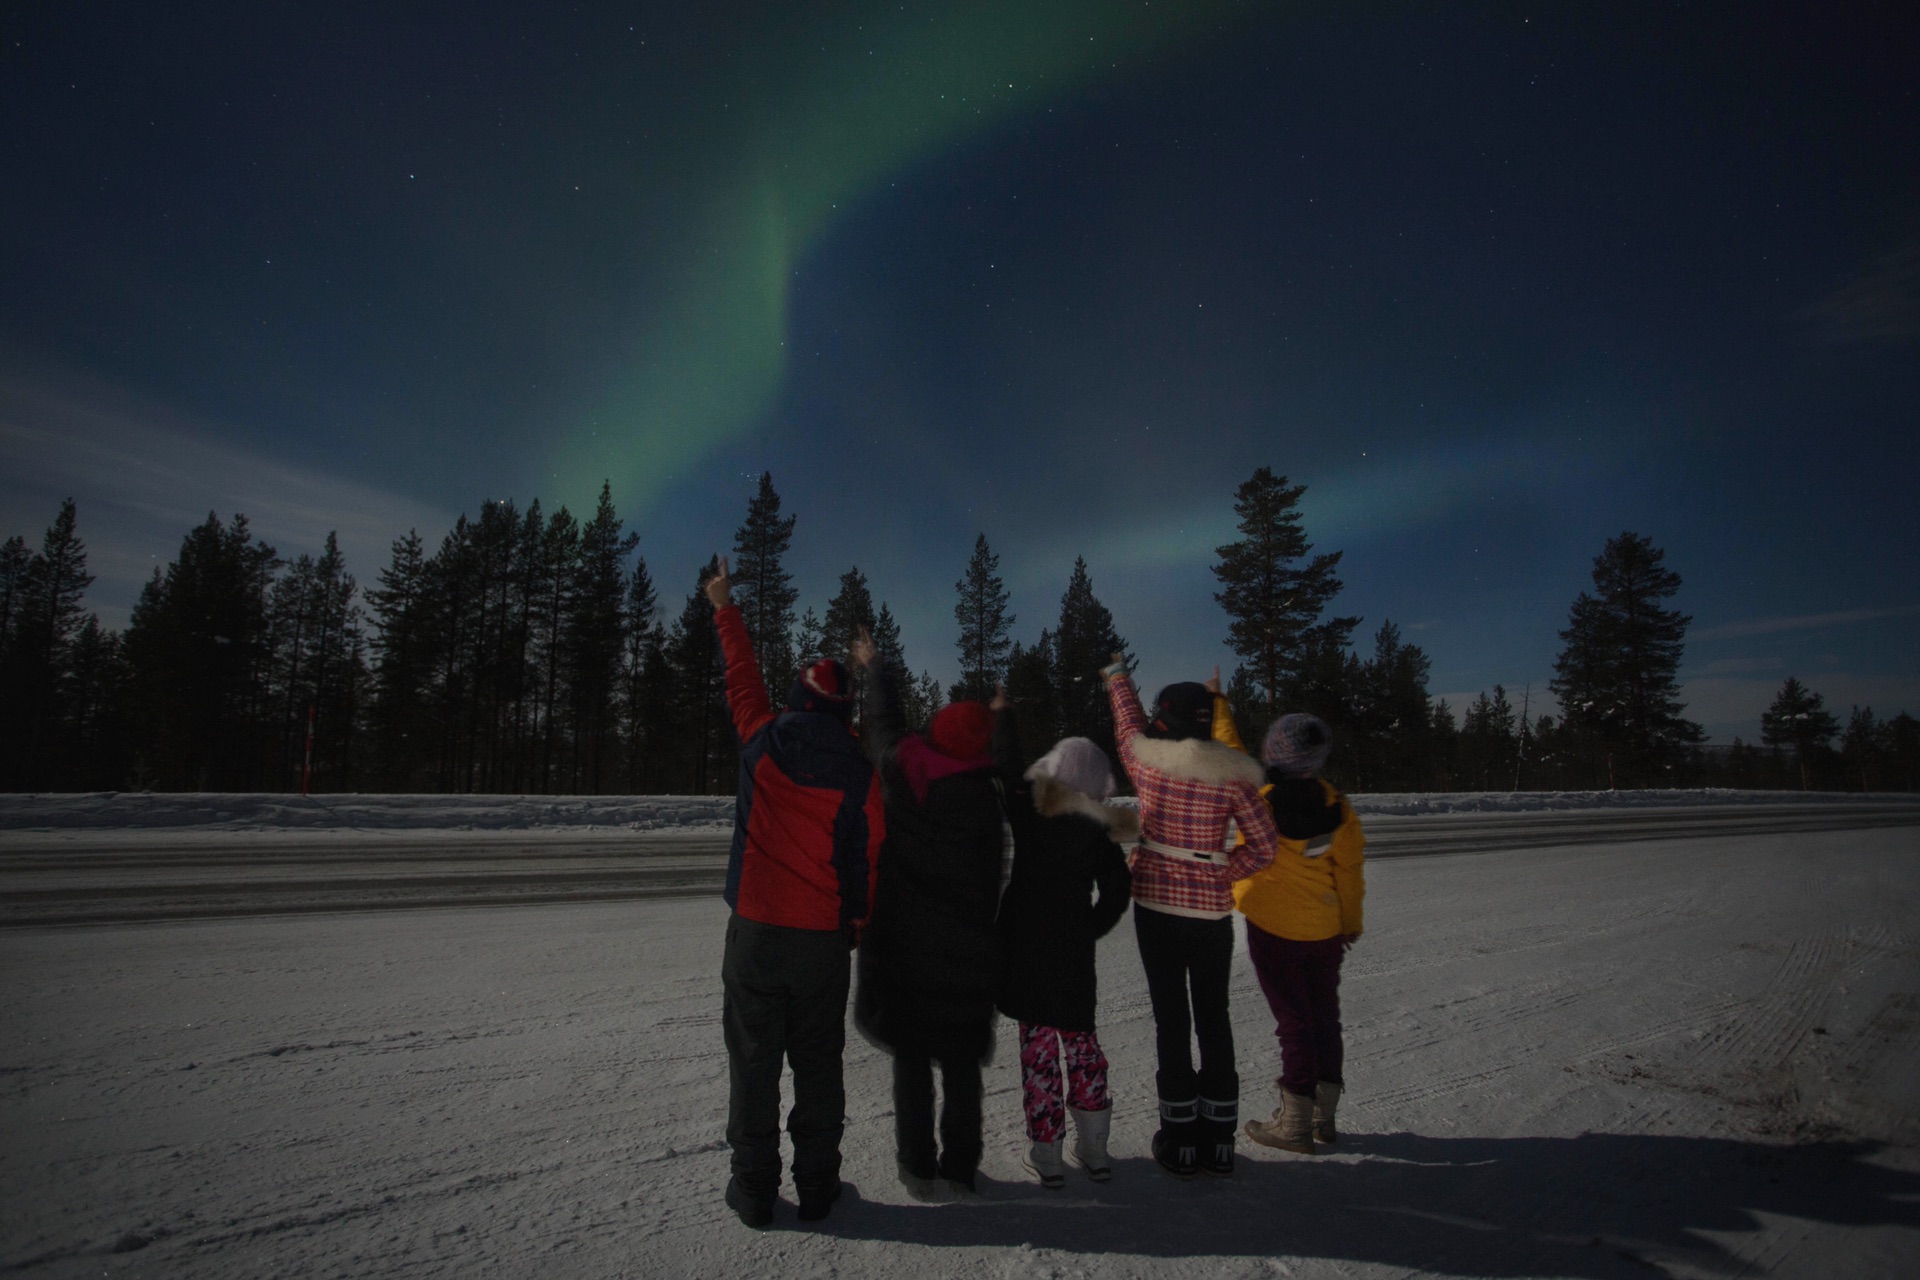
{"points": [[42, 616], [1391, 734], [809, 640], [1798, 718], [1863, 745], [403, 668], [1274, 594], [762, 587], [1031, 675], [595, 641], [850, 609], [197, 647], [703, 740], [1617, 678], [1084, 642], [984, 622]]}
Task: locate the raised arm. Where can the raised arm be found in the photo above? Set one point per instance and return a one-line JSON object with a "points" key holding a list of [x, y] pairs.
{"points": [[879, 701], [747, 700], [1129, 720]]}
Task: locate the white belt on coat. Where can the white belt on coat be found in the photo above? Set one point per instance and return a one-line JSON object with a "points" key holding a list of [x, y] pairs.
{"points": [[1214, 857]]}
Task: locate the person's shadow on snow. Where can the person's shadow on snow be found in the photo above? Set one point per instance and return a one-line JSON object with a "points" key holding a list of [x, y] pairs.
{"points": [[1599, 1205]]}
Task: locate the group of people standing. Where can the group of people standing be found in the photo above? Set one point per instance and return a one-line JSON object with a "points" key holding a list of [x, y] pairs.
{"points": [[888, 845]]}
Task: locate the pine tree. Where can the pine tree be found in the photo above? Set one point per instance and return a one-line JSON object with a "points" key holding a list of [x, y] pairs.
{"points": [[1863, 746], [1617, 676], [1391, 734], [809, 640], [1488, 742], [1903, 752], [595, 634], [984, 622], [42, 616], [197, 647], [892, 656], [762, 587], [1445, 753], [1031, 673], [403, 648], [1799, 719], [1274, 596], [1084, 642], [640, 664], [697, 696], [850, 609]]}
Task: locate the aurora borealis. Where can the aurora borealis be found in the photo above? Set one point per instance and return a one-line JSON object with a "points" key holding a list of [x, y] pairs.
{"points": [[1496, 283]]}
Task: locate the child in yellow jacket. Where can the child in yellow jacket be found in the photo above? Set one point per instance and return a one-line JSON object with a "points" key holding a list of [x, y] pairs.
{"points": [[1303, 911]]}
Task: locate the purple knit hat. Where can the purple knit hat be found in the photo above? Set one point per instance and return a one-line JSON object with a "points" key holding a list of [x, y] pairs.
{"points": [[1297, 745]]}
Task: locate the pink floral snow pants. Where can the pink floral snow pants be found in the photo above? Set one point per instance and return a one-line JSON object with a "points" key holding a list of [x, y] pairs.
{"points": [[1040, 1052]]}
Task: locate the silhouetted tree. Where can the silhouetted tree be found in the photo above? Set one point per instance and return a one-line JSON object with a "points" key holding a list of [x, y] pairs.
{"points": [[1274, 596], [1798, 718], [197, 649], [1617, 676], [981, 611], [762, 587]]}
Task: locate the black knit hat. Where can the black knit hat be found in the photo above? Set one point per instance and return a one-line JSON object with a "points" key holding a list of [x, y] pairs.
{"points": [[1183, 710]]}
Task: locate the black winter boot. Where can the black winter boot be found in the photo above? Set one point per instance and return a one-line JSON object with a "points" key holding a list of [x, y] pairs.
{"points": [[816, 1196], [1176, 1145], [755, 1208], [1219, 1119]]}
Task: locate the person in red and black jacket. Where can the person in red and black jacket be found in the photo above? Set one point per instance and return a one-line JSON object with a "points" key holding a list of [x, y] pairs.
{"points": [[807, 830]]}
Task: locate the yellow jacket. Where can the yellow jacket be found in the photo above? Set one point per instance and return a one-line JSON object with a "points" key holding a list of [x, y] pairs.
{"points": [[1312, 890]]}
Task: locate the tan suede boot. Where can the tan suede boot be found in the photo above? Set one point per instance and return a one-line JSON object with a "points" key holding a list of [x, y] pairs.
{"points": [[1291, 1128], [1326, 1096]]}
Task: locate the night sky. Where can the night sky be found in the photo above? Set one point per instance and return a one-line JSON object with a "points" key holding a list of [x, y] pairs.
{"points": [[1495, 282]]}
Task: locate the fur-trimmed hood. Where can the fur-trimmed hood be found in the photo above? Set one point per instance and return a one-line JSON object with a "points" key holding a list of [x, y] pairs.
{"points": [[1198, 760], [1052, 798]]}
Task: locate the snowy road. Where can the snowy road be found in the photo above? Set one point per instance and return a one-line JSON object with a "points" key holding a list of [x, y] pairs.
{"points": [[96, 877], [1687, 1056]]}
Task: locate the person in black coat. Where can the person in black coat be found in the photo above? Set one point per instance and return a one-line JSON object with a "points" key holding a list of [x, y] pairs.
{"points": [[927, 958], [1066, 850]]}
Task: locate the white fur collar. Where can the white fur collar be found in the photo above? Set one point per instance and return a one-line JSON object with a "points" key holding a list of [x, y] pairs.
{"points": [[1198, 760], [1053, 798]]}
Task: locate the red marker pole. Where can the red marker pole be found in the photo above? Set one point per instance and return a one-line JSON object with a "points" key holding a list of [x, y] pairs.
{"points": [[306, 765]]}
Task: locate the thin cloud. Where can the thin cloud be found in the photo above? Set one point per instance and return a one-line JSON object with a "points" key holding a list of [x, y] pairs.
{"points": [[1805, 622], [1879, 306], [141, 477]]}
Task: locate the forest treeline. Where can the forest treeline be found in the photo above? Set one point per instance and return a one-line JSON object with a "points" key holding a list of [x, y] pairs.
{"points": [[531, 652]]}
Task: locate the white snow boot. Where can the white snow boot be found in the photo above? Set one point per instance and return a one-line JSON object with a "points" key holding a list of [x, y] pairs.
{"points": [[1326, 1096], [1090, 1142], [1043, 1162]]}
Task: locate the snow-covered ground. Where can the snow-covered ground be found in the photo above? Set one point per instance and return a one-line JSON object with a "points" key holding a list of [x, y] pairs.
{"points": [[353, 813], [1686, 1057]]}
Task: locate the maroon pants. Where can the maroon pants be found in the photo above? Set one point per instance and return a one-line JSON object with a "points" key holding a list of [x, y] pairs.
{"points": [[1302, 984]]}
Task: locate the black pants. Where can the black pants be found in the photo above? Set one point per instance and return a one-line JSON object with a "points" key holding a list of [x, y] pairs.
{"points": [[785, 1000], [1181, 955], [960, 1141]]}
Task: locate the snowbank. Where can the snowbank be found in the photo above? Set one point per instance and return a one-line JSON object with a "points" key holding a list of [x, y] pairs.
{"points": [[220, 811]]}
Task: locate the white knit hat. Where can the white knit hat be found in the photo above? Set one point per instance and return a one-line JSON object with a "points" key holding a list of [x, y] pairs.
{"points": [[1077, 763]]}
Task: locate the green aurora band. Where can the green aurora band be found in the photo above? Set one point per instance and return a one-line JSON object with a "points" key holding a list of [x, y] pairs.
{"points": [[781, 143]]}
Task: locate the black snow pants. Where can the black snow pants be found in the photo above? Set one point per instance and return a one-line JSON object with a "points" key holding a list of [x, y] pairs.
{"points": [[961, 1143], [1183, 955], [785, 1000]]}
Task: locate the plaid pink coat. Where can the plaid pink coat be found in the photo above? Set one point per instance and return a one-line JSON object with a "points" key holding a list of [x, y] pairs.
{"points": [[1189, 791]]}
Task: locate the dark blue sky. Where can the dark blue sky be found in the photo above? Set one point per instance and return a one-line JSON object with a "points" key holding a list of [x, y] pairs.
{"points": [[1495, 282]]}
